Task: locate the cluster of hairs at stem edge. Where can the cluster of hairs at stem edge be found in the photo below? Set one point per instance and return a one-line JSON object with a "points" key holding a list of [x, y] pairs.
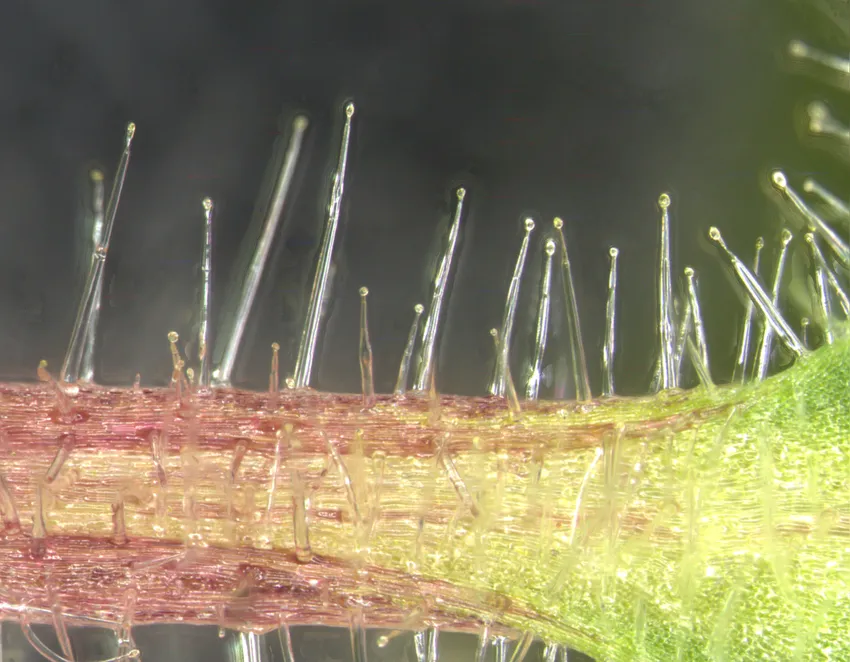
{"points": [[765, 331]]}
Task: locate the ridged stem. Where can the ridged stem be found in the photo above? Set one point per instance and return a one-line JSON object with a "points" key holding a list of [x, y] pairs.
{"points": [[694, 523]]}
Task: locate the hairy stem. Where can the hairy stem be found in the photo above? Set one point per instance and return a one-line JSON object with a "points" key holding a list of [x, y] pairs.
{"points": [[692, 525]]}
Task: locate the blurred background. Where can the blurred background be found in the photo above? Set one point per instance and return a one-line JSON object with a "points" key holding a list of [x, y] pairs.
{"points": [[586, 109]]}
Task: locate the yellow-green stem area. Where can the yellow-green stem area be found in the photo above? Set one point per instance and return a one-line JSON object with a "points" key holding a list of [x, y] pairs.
{"points": [[726, 538]]}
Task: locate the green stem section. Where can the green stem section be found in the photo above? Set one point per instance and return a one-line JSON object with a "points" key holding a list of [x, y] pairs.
{"points": [[700, 525]]}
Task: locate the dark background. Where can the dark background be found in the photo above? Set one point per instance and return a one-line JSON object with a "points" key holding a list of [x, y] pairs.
{"points": [[587, 109], [584, 109]]}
